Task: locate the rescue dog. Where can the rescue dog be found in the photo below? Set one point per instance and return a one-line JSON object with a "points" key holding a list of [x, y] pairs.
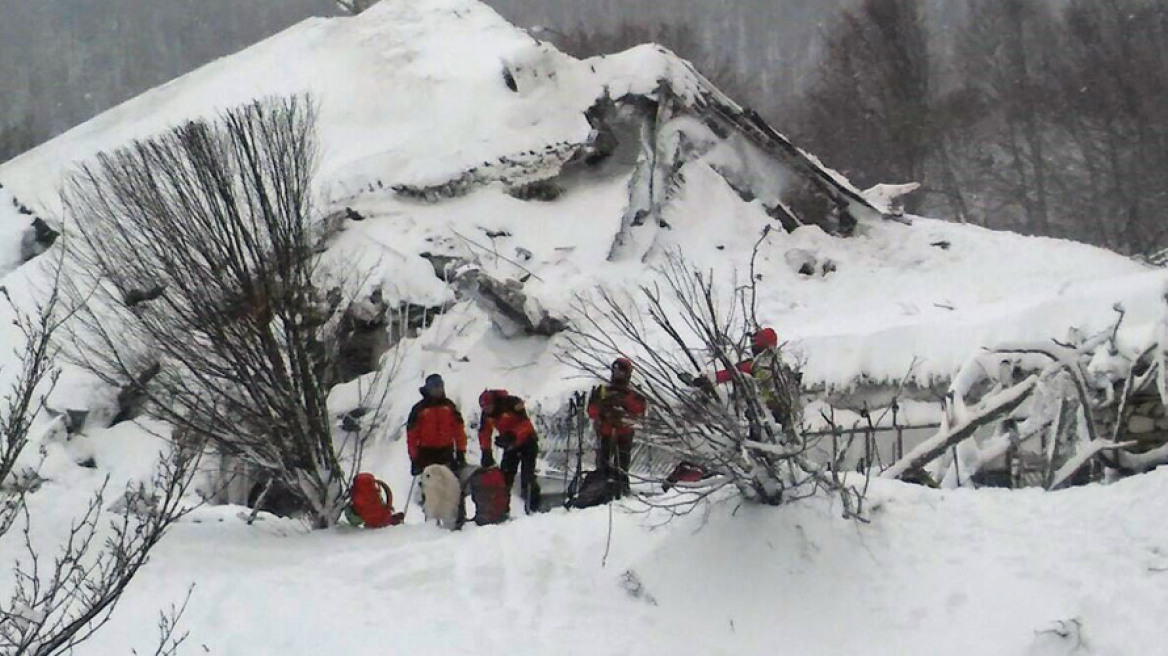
{"points": [[441, 495]]}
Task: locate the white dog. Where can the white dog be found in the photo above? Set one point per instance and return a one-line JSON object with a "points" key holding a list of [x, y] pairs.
{"points": [[441, 495]]}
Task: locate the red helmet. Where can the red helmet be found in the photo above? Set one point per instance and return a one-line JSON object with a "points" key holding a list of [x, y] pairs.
{"points": [[488, 397], [623, 364], [764, 339]]}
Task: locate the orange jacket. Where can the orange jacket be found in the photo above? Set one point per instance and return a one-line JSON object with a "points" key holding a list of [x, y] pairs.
{"points": [[435, 424], [727, 375], [613, 408], [509, 417]]}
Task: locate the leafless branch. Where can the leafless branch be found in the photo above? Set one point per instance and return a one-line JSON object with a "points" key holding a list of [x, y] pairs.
{"points": [[210, 302], [681, 325]]}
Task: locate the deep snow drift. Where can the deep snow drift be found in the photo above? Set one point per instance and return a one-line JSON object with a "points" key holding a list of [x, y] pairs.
{"points": [[413, 93], [953, 573]]}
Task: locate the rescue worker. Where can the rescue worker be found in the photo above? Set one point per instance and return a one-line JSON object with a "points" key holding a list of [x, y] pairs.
{"points": [[613, 407], [777, 383], [435, 432], [506, 414]]}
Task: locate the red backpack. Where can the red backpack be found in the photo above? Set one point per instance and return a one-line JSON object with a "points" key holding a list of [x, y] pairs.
{"points": [[684, 472], [368, 505], [488, 490]]}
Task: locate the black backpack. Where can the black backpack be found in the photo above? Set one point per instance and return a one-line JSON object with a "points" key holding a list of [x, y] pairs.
{"points": [[593, 489]]}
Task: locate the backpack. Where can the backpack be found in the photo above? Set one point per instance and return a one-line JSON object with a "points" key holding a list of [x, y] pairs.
{"points": [[492, 500], [593, 489], [684, 472], [366, 506]]}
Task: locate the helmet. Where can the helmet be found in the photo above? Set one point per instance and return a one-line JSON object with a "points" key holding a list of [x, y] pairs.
{"points": [[764, 339], [488, 397], [433, 387], [624, 365]]}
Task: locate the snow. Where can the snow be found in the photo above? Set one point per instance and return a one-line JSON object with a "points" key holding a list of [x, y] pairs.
{"points": [[414, 93], [13, 225], [995, 404], [958, 572], [953, 572]]}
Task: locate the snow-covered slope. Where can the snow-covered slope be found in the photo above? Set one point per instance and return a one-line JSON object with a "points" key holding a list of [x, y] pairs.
{"points": [[947, 573], [414, 93], [13, 224], [410, 92]]}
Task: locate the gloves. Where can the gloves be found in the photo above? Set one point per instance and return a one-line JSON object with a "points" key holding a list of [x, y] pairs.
{"points": [[415, 468], [460, 459], [488, 459], [702, 383]]}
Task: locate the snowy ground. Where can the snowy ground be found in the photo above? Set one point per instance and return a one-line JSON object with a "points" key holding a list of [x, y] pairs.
{"points": [[948, 573]]}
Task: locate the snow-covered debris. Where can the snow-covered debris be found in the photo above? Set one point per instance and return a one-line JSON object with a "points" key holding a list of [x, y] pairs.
{"points": [[23, 234], [887, 197], [963, 427]]}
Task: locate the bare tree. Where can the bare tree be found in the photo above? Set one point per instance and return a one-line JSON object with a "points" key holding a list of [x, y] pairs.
{"points": [[869, 105], [1112, 82], [750, 437], [199, 257], [1006, 53], [62, 593]]}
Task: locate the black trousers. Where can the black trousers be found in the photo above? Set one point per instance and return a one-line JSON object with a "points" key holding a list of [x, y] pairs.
{"points": [[521, 460], [427, 456], [614, 455]]}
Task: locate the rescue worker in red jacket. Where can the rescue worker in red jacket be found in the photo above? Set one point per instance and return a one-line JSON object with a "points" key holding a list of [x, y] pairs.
{"points": [[614, 407], [506, 414], [774, 379], [368, 507], [435, 432]]}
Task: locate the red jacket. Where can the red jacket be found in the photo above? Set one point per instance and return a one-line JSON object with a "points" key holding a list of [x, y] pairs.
{"points": [[509, 417], [614, 408], [368, 504], [726, 375], [435, 424]]}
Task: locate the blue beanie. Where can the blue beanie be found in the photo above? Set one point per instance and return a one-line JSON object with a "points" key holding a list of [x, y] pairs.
{"points": [[434, 381]]}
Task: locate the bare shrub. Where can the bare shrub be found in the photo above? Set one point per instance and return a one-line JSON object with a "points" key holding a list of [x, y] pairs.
{"points": [[63, 592], [672, 331], [205, 294]]}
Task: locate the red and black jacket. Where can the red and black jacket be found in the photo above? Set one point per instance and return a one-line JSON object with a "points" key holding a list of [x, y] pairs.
{"points": [[435, 424], [508, 416], [614, 408], [726, 375]]}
